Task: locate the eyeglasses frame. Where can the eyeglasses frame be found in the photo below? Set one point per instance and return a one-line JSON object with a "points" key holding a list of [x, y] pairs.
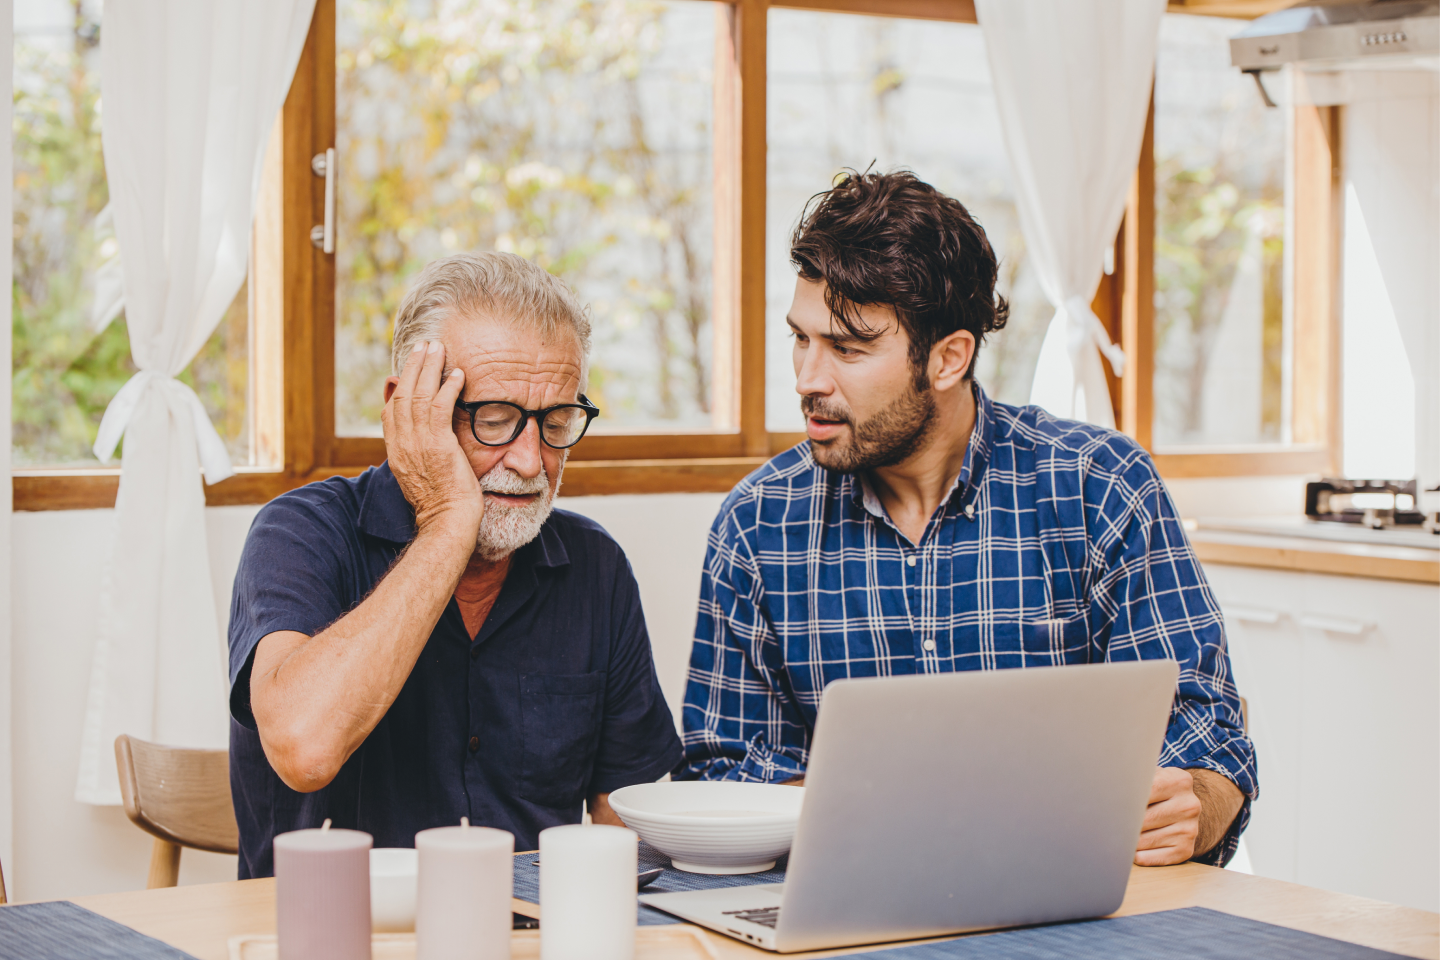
{"points": [[472, 407]]}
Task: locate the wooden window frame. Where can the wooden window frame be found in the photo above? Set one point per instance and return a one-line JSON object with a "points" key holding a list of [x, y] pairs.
{"points": [[1312, 242], [292, 335]]}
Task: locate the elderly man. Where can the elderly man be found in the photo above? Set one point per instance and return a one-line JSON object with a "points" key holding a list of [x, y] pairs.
{"points": [[430, 640], [925, 528]]}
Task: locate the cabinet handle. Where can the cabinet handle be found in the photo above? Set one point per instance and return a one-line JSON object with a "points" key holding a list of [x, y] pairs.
{"points": [[1252, 614], [1352, 628]]}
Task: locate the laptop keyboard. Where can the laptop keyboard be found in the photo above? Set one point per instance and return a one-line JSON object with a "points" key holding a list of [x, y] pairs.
{"points": [[764, 916]]}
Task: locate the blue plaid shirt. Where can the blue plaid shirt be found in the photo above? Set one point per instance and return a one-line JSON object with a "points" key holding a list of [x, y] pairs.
{"points": [[1057, 544]]}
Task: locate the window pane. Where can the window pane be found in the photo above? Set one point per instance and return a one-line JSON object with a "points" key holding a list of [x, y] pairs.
{"points": [[576, 133], [65, 370], [846, 91], [1219, 243]]}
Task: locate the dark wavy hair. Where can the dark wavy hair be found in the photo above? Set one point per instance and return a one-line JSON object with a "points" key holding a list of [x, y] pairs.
{"points": [[891, 239]]}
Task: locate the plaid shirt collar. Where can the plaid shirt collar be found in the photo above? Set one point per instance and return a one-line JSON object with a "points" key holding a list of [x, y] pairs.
{"points": [[964, 489]]}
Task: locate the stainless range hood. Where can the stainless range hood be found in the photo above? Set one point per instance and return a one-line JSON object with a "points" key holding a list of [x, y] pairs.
{"points": [[1330, 34]]}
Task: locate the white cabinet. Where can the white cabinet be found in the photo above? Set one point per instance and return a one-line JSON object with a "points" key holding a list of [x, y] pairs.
{"points": [[1370, 755], [1342, 679], [1265, 655]]}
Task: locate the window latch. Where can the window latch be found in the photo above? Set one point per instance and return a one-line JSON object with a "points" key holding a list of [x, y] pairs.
{"points": [[323, 234]]}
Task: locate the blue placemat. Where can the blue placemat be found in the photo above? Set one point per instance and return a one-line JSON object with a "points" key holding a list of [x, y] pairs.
{"points": [[1194, 933], [60, 930], [527, 881]]}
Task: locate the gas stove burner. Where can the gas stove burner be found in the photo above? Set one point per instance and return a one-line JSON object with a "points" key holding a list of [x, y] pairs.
{"points": [[1372, 503]]}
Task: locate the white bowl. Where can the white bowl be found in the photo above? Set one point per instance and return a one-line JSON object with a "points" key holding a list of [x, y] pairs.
{"points": [[393, 876], [713, 826]]}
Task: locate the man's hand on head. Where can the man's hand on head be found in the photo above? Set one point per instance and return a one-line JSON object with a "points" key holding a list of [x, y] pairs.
{"points": [[424, 454], [1189, 813]]}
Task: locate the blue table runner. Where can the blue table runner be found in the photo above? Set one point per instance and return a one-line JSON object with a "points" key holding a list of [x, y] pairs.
{"points": [[527, 881], [1192, 933], [60, 930]]}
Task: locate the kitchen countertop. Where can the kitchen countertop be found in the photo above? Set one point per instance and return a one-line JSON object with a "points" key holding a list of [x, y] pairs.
{"points": [[1297, 543]]}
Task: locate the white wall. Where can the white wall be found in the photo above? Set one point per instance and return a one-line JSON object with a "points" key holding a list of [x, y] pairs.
{"points": [[1237, 496], [67, 849]]}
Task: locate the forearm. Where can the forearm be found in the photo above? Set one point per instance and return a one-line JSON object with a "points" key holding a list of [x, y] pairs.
{"points": [[601, 811], [316, 699], [1220, 803]]}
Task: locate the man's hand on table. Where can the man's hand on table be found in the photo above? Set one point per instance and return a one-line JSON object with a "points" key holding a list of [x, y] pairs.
{"points": [[1189, 813], [424, 454]]}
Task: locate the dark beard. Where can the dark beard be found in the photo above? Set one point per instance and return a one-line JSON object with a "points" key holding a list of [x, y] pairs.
{"points": [[888, 438]]}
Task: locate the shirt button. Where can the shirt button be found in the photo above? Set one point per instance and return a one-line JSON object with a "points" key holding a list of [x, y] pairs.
{"points": [[474, 744], [970, 511], [928, 645], [910, 561], [474, 651]]}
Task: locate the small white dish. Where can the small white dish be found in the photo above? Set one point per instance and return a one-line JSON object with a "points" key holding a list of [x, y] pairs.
{"points": [[713, 826], [394, 873]]}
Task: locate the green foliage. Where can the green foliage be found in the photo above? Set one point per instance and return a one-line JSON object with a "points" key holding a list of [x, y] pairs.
{"points": [[1204, 220], [465, 124], [64, 372], [518, 125]]}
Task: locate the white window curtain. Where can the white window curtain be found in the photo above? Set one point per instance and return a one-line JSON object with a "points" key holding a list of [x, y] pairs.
{"points": [[1072, 80], [191, 89]]}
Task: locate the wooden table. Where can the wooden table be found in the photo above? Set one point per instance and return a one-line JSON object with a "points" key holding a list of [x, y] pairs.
{"points": [[201, 919]]}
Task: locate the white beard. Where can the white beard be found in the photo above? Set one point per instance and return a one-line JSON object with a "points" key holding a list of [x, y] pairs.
{"points": [[505, 529]]}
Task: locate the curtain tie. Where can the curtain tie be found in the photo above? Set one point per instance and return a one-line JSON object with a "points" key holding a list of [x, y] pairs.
{"points": [[214, 458], [1082, 328]]}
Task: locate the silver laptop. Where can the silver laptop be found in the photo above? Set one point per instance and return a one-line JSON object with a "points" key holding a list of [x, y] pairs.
{"points": [[964, 801]]}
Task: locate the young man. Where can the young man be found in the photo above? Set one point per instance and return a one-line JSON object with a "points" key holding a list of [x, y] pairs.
{"points": [[429, 640], [924, 528]]}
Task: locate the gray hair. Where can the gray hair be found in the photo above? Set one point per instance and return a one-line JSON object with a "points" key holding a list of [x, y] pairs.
{"points": [[489, 285]]}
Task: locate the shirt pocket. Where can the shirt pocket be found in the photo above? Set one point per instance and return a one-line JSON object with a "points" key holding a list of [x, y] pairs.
{"points": [[1055, 641], [560, 730]]}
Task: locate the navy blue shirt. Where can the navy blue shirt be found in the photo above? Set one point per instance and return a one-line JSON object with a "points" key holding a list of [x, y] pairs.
{"points": [[554, 700]]}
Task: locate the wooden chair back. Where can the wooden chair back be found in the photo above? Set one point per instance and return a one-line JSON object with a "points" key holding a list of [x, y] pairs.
{"points": [[179, 796]]}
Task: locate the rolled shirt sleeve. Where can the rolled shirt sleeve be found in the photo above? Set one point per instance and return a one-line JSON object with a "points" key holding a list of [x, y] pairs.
{"points": [[1151, 601], [290, 577]]}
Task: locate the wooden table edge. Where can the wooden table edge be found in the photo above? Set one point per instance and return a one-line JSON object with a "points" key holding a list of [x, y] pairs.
{"points": [[200, 919]]}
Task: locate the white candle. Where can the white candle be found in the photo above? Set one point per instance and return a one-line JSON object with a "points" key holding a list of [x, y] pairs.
{"points": [[587, 893], [462, 904], [322, 894]]}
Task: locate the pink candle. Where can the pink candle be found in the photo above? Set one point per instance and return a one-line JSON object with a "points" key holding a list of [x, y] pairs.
{"points": [[462, 902], [322, 894]]}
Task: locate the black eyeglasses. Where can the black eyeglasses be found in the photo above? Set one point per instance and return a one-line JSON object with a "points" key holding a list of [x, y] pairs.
{"points": [[495, 423]]}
